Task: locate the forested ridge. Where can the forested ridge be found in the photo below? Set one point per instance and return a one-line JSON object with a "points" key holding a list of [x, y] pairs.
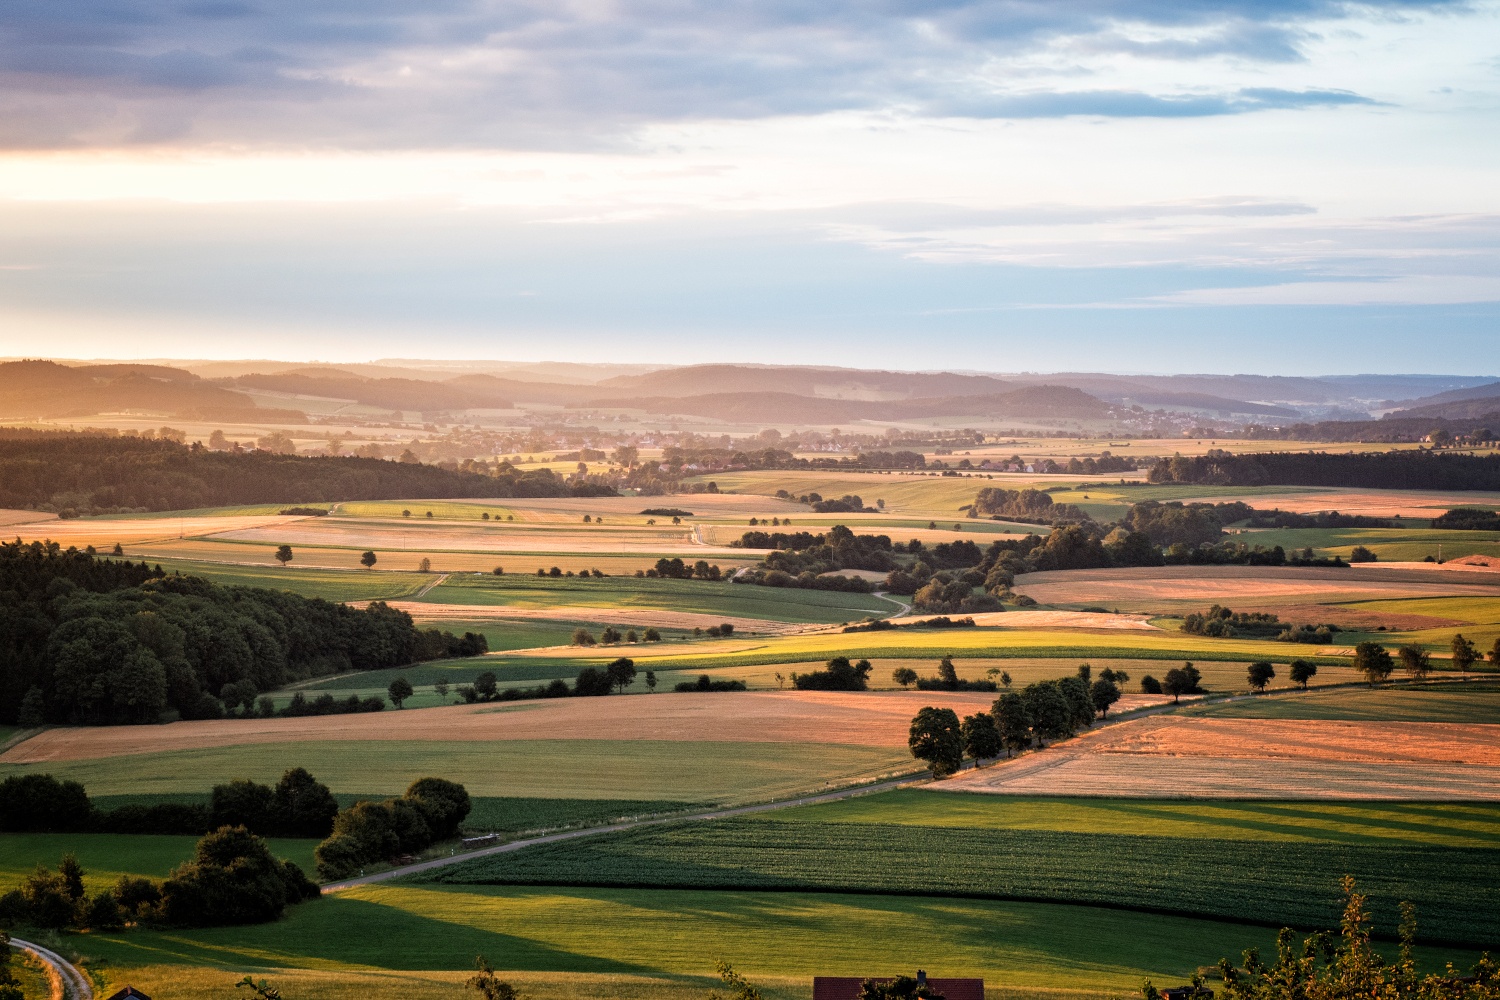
{"points": [[85, 473], [95, 641], [1401, 470]]}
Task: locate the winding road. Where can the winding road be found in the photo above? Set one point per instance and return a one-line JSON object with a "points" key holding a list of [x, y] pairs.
{"points": [[68, 981]]}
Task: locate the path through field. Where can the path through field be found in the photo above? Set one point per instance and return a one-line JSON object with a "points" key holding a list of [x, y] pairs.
{"points": [[68, 982]]}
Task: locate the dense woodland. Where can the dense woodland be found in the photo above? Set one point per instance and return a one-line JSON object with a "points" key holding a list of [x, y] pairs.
{"points": [[84, 474], [95, 641], [1402, 470]]}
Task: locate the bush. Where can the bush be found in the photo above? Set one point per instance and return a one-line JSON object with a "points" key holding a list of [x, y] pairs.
{"points": [[443, 804], [368, 832], [839, 675], [706, 683], [1150, 685], [231, 879], [39, 803]]}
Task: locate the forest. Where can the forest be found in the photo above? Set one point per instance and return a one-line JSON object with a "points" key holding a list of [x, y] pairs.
{"points": [[97, 641], [91, 474], [1399, 470]]}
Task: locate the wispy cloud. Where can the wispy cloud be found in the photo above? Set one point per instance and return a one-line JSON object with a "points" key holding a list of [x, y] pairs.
{"points": [[497, 73]]}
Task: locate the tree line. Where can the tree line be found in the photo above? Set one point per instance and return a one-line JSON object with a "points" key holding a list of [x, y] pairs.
{"points": [[93, 641], [1404, 470], [72, 473]]}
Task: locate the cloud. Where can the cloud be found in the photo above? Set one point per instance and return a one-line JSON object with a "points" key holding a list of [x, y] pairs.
{"points": [[508, 73], [1134, 104]]}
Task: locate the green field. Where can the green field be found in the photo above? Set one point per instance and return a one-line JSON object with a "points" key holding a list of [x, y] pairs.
{"points": [[1275, 883], [730, 600], [556, 943], [1405, 544], [1457, 702], [1445, 824], [966, 643], [329, 584], [107, 856], [680, 771], [452, 510]]}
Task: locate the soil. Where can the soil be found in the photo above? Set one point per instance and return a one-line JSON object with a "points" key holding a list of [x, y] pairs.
{"points": [[1177, 756]]}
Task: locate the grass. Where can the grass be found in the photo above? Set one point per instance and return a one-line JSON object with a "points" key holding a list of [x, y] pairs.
{"points": [[1458, 703], [107, 856], [680, 771], [329, 584], [1480, 610], [450, 510], [1390, 544], [729, 600], [1275, 883], [967, 643], [1445, 824], [630, 943]]}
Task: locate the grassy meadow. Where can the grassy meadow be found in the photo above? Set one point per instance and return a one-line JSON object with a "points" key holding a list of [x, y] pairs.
{"points": [[1459, 703], [671, 770]]}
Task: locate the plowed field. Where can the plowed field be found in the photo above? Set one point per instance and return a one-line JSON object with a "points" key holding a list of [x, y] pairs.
{"points": [[1168, 756]]}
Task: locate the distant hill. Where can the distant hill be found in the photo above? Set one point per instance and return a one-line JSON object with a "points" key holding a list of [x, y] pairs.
{"points": [[47, 390], [86, 473], [1475, 403], [383, 393], [788, 407], [834, 383]]}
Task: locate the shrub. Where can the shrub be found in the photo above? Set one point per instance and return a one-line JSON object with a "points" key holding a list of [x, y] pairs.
{"points": [[231, 879], [39, 803]]}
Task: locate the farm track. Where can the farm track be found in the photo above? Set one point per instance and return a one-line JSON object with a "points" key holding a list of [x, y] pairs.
{"points": [[68, 982]]}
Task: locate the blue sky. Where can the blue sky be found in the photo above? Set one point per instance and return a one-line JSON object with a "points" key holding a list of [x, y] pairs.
{"points": [[1283, 187]]}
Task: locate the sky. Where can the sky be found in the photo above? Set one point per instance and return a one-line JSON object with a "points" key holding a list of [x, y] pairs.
{"points": [[1278, 186]]}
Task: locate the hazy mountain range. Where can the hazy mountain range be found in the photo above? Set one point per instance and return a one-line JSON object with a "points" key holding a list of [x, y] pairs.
{"points": [[742, 394]]}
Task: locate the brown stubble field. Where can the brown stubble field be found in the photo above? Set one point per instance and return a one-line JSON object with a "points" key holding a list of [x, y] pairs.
{"points": [[870, 719], [1172, 756], [1152, 587]]}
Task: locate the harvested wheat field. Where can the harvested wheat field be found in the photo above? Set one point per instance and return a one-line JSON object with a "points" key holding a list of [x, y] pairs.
{"points": [[108, 531], [8, 517], [1238, 585], [471, 537], [1178, 756], [872, 719], [1371, 503], [629, 617], [1051, 619]]}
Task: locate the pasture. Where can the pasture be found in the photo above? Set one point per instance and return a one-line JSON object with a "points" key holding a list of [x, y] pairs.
{"points": [[107, 856], [672, 770], [567, 943]]}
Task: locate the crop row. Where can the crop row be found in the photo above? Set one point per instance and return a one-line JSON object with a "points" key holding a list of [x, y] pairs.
{"points": [[1295, 884]]}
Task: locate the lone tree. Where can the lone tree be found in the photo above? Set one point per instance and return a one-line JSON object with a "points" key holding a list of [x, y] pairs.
{"points": [[488, 985], [399, 690], [621, 673], [905, 676], [1260, 674], [1464, 652], [283, 554], [581, 637], [1104, 692], [1302, 672], [651, 681], [1013, 720], [1176, 684], [1372, 660], [1414, 660], [367, 560], [441, 690], [981, 737], [937, 739]]}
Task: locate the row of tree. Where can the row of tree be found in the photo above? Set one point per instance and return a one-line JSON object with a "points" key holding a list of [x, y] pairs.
{"points": [[1402, 470], [431, 810], [88, 473]]}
